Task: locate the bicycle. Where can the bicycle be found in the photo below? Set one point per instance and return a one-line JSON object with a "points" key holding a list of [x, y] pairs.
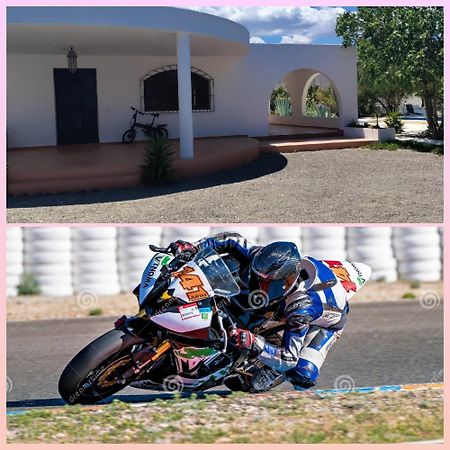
{"points": [[149, 129]]}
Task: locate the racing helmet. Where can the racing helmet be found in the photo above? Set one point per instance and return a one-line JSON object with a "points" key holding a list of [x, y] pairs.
{"points": [[274, 271]]}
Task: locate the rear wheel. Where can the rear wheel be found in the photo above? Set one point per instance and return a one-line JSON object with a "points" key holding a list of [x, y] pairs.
{"points": [[129, 136], [161, 132], [93, 374]]}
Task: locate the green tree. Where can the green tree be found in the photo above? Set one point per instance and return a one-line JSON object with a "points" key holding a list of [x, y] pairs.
{"points": [[400, 49]]}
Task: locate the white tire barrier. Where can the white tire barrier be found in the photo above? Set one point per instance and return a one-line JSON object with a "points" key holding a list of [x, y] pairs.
{"points": [[373, 246], [50, 234], [14, 259], [324, 243], [418, 253], [95, 260], [133, 253], [189, 234], [267, 235], [48, 257], [107, 260]]}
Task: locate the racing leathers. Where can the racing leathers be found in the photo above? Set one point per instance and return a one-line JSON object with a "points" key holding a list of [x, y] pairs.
{"points": [[313, 315]]}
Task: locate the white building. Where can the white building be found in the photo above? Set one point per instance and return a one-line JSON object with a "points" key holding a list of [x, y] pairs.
{"points": [[143, 57]]}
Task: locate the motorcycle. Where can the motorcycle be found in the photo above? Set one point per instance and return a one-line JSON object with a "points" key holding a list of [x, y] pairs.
{"points": [[178, 341]]}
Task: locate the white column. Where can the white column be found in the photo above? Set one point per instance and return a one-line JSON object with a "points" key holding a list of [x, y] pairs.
{"points": [[185, 96]]}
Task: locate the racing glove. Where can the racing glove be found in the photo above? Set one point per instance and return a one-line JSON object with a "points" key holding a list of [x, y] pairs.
{"points": [[246, 340], [183, 250]]}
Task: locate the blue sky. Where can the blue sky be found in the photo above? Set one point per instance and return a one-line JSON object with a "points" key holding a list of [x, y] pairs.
{"points": [[302, 24]]}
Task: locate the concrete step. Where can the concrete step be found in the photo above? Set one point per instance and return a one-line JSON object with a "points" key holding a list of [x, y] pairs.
{"points": [[300, 136], [282, 146]]}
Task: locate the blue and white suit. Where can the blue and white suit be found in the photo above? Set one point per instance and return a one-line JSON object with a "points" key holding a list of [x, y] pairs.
{"points": [[315, 313]]}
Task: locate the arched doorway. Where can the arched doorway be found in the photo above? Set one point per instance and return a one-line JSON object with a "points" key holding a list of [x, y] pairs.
{"points": [[305, 98], [319, 98]]}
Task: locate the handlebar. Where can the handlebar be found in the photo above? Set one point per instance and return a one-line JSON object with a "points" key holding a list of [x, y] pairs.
{"points": [[143, 113], [155, 248]]}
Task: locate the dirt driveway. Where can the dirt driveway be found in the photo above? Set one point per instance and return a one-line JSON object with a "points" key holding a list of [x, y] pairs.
{"points": [[349, 185]]}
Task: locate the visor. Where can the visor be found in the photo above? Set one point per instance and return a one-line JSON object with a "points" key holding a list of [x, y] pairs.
{"points": [[274, 289]]}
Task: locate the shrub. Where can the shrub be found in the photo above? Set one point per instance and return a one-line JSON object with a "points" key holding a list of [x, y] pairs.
{"points": [[278, 92], [392, 120], [96, 312], [158, 159], [28, 285], [283, 106]]}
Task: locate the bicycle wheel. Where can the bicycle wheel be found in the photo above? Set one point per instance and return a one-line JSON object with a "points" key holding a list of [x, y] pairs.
{"points": [[128, 136], [161, 132]]}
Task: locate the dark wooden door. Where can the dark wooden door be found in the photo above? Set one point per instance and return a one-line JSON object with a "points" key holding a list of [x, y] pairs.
{"points": [[76, 106]]}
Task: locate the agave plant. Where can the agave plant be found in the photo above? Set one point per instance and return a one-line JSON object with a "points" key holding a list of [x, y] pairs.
{"points": [[283, 106], [158, 158]]}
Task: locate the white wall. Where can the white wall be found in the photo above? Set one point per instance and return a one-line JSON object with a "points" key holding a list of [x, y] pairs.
{"points": [[242, 87], [269, 64]]}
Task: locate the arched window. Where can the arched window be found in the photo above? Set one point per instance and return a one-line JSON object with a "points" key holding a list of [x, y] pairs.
{"points": [[160, 90]]}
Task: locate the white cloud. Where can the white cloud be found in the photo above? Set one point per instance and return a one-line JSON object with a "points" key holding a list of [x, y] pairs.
{"points": [[257, 40], [296, 39], [301, 24]]}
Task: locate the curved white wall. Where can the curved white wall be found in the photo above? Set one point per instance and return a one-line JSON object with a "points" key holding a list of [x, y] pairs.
{"points": [[107, 260], [141, 18], [242, 88]]}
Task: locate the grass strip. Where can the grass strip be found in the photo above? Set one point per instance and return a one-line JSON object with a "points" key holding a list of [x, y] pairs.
{"points": [[277, 417], [407, 144]]}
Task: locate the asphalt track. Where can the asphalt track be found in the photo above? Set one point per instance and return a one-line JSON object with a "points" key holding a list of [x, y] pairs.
{"points": [[383, 344]]}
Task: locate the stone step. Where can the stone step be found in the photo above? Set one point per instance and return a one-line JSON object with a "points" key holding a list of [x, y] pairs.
{"points": [[282, 146], [299, 136]]}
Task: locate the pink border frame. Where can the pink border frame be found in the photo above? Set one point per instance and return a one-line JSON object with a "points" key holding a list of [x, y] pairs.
{"points": [[182, 3]]}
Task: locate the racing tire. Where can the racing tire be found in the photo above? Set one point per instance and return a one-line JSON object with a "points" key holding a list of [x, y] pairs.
{"points": [[92, 361]]}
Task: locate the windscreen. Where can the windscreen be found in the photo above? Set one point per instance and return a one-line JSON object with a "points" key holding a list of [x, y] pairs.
{"points": [[217, 273]]}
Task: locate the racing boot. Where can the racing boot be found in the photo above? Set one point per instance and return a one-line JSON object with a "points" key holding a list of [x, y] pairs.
{"points": [[265, 379], [237, 383]]}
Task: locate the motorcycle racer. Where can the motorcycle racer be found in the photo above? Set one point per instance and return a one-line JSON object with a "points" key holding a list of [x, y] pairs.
{"points": [[312, 307]]}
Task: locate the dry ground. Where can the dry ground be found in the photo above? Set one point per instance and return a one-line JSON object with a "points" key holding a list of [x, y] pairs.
{"points": [[277, 417], [337, 186], [37, 307]]}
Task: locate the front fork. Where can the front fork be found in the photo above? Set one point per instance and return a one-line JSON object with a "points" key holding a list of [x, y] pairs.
{"points": [[138, 326], [144, 358]]}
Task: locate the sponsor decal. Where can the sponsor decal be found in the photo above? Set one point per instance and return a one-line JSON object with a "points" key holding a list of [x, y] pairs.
{"points": [[152, 270], [165, 260], [189, 311], [331, 316], [360, 278], [195, 352], [342, 274], [205, 312], [191, 283]]}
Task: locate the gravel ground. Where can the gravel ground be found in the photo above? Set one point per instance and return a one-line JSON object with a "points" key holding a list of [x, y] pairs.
{"points": [[242, 418], [39, 307], [349, 185]]}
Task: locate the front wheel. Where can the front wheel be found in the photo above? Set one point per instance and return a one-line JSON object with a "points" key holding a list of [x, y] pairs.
{"points": [[129, 136], [92, 375]]}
